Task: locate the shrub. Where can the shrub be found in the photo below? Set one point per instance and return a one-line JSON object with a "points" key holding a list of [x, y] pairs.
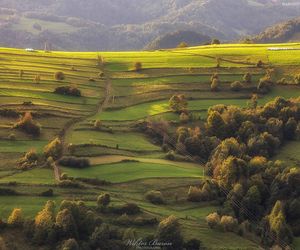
{"points": [[47, 193], [236, 86], [68, 90], [8, 192], [184, 117], [103, 200], [297, 79], [213, 220], [74, 162], [228, 223], [54, 149], [194, 194], [123, 220], [247, 78], [215, 41], [37, 78], [97, 124], [16, 218], [178, 103], [138, 66], [128, 208], [140, 221], [193, 244], [29, 160], [169, 230], [215, 85], [182, 45], [155, 197], [259, 64], [264, 85], [59, 76], [27, 124], [70, 244], [69, 184]]}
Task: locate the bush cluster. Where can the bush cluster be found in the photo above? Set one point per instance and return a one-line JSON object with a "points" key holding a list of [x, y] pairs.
{"points": [[27, 125], [68, 90], [74, 162]]}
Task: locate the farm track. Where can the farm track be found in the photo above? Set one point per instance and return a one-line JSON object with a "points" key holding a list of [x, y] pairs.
{"points": [[70, 124]]}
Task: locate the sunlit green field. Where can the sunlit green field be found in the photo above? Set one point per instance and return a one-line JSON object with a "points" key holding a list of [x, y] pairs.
{"points": [[129, 171], [122, 99]]}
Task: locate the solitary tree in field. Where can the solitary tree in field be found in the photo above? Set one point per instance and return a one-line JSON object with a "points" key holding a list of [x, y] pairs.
{"points": [[103, 200], [215, 41], [27, 124], [178, 103], [54, 149], [97, 124], [59, 76], [138, 66], [16, 218], [215, 84], [182, 45]]}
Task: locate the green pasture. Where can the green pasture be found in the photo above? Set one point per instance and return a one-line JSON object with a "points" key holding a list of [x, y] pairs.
{"points": [[290, 153], [30, 205], [130, 171], [7, 146], [125, 140], [37, 176]]}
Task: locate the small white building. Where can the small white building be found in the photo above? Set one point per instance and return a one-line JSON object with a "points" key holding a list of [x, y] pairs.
{"points": [[29, 49]]}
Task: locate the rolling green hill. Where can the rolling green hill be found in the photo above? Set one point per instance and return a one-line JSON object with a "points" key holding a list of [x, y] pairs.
{"points": [[122, 99]]}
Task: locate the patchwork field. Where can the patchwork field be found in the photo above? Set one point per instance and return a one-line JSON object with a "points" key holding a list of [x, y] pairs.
{"points": [[121, 99]]}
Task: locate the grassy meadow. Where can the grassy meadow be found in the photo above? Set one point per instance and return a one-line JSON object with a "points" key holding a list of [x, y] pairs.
{"points": [[122, 99]]}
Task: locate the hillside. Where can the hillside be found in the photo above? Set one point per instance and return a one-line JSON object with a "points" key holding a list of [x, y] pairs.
{"points": [[288, 31], [108, 125], [89, 26], [172, 40]]}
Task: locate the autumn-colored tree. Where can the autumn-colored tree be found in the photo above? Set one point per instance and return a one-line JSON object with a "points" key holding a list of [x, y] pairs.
{"points": [[213, 220], [215, 84], [44, 222], [178, 103], [278, 225], [182, 45], [59, 76], [28, 125], [103, 200], [54, 149], [169, 230], [16, 218], [66, 224]]}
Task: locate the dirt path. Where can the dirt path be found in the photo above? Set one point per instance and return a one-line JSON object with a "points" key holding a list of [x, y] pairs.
{"points": [[70, 124], [107, 159]]}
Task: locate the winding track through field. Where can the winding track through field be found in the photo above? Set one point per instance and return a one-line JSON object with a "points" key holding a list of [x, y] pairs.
{"points": [[70, 124]]}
